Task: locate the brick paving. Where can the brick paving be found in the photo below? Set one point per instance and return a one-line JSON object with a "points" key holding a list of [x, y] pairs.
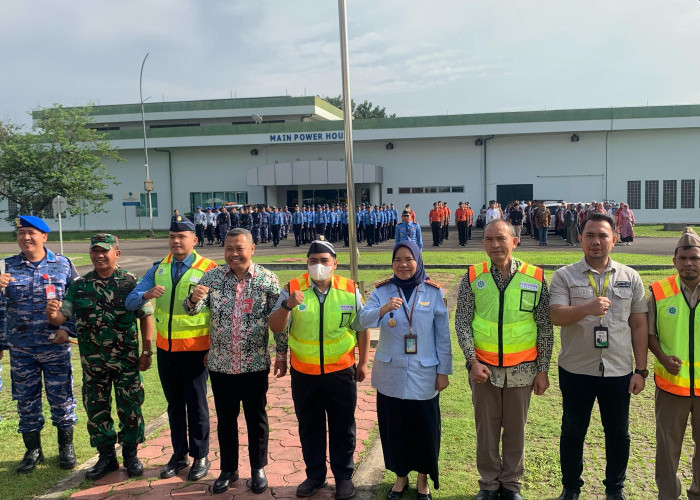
{"points": [[285, 469]]}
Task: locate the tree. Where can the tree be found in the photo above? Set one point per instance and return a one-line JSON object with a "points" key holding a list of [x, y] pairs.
{"points": [[362, 111], [61, 155]]}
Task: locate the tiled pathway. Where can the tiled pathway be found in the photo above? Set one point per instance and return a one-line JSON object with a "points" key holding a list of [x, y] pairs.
{"points": [[285, 469]]}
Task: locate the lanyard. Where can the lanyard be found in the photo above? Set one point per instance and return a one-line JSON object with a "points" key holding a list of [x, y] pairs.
{"points": [[405, 310], [606, 282]]}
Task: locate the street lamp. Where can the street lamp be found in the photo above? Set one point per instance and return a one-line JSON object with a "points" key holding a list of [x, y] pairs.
{"points": [[148, 183]]}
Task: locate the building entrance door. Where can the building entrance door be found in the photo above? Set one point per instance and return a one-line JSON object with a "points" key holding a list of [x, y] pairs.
{"points": [[505, 193], [292, 198]]}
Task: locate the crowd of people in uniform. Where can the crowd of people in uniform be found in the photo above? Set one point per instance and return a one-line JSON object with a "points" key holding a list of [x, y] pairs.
{"points": [[213, 322]]}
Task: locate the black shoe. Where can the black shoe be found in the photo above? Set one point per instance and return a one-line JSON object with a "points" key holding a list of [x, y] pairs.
{"points": [[199, 469], [33, 455], [424, 496], [395, 495], [224, 481], [310, 486], [507, 494], [344, 489], [66, 453], [174, 465], [132, 464], [618, 495], [106, 463], [487, 495], [258, 481], [568, 495]]}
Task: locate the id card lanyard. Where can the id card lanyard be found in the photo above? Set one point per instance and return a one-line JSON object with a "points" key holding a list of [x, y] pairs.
{"points": [[410, 340], [600, 333], [598, 293]]}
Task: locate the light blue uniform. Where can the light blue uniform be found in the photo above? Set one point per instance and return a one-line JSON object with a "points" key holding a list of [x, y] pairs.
{"points": [[409, 376], [409, 231]]}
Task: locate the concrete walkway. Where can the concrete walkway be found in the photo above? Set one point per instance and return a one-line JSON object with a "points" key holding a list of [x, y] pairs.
{"points": [[285, 469]]}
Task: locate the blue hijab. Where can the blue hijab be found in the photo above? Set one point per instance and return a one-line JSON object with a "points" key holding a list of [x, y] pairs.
{"points": [[407, 286]]}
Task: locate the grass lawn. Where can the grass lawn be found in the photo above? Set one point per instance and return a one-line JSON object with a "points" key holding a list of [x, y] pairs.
{"points": [[542, 478], [14, 486], [85, 235], [654, 230]]}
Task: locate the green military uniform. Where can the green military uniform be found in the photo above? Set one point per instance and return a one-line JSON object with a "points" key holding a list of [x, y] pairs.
{"points": [[108, 342]]}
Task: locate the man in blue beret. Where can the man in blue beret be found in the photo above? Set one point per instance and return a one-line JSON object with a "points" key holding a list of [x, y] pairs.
{"points": [[30, 278], [182, 347]]}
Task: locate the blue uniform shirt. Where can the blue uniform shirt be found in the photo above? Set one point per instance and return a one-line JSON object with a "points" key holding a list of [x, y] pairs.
{"points": [[409, 231], [409, 376], [134, 301], [297, 217]]}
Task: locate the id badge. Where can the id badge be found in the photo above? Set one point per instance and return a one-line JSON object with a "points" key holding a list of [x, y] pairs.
{"points": [[50, 291], [410, 343], [600, 336]]}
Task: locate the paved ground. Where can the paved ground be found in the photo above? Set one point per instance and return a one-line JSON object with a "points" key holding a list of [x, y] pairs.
{"points": [[284, 471]]}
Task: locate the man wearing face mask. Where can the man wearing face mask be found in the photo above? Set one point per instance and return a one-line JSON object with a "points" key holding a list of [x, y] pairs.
{"points": [[320, 308]]}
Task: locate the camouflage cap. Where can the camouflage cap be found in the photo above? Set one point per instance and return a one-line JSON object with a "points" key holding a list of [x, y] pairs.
{"points": [[104, 240]]}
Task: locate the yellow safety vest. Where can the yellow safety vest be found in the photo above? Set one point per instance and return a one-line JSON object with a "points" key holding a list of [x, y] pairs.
{"points": [[505, 332], [177, 330], [676, 324], [321, 339]]}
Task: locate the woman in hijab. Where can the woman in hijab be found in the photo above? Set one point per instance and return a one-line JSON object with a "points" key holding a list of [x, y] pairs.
{"points": [[411, 367], [625, 224]]}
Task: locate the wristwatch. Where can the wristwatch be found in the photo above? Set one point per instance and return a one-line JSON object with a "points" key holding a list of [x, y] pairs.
{"points": [[285, 306], [470, 363], [644, 373], [147, 353]]}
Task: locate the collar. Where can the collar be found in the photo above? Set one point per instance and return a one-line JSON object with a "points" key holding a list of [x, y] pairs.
{"points": [[49, 256], [188, 261], [250, 273], [584, 266]]}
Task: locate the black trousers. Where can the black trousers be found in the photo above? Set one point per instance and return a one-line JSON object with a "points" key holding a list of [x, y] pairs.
{"points": [[344, 234], [315, 397], [435, 226], [184, 380], [462, 231], [229, 392], [199, 231], [369, 235], [579, 393], [297, 234], [275, 234]]}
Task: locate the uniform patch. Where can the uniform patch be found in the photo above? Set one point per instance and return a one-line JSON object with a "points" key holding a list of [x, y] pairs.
{"points": [[195, 279], [347, 307], [623, 284], [480, 284], [424, 304], [160, 271], [672, 310], [529, 286], [302, 307]]}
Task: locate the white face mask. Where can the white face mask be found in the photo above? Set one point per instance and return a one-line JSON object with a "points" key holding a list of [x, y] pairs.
{"points": [[319, 272]]}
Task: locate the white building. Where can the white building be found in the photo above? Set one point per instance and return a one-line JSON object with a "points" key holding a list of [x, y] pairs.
{"points": [[215, 151]]}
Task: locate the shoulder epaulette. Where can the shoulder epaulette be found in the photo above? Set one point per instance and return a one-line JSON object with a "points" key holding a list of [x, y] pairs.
{"points": [[382, 283], [432, 283]]}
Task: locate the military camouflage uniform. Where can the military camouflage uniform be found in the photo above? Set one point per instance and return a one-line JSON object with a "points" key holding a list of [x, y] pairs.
{"points": [[27, 335], [109, 353]]}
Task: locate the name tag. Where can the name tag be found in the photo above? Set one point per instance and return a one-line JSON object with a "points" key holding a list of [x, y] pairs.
{"points": [[529, 286], [195, 279], [623, 284], [424, 304], [347, 307]]}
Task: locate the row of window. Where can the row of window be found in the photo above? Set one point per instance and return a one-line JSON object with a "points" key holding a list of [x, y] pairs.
{"points": [[427, 189], [217, 198], [669, 194]]}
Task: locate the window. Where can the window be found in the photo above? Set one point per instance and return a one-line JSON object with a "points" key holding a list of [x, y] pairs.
{"points": [[209, 199], [142, 210], [688, 193], [12, 208], [105, 129], [174, 125], [417, 190], [457, 189], [428, 189], [670, 192], [389, 190], [443, 189], [651, 194], [634, 194], [404, 190]]}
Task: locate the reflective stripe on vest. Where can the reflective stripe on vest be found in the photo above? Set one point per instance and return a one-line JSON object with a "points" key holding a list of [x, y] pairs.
{"points": [[505, 332], [307, 333], [177, 330], [676, 324]]}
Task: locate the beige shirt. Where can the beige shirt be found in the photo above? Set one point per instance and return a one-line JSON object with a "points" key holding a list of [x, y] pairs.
{"points": [[691, 296], [571, 286]]}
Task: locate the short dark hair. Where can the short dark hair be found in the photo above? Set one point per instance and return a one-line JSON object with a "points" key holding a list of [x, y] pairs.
{"points": [[597, 216]]}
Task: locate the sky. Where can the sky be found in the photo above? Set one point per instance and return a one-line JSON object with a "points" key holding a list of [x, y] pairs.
{"points": [[415, 57]]}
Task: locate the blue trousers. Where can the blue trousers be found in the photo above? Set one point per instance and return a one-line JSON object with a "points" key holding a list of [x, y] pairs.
{"points": [[27, 366]]}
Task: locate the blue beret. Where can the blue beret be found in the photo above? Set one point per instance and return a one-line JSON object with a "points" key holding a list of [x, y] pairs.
{"points": [[32, 221], [199, 208], [178, 226], [208, 208]]}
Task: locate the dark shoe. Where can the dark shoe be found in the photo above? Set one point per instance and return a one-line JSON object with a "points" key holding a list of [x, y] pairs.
{"points": [[224, 481], [568, 495], [132, 464], [106, 463], [199, 469], [258, 481], [344, 489], [486, 495], [618, 495], [507, 494], [174, 465], [395, 495], [33, 455], [310, 486], [66, 453], [424, 496]]}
